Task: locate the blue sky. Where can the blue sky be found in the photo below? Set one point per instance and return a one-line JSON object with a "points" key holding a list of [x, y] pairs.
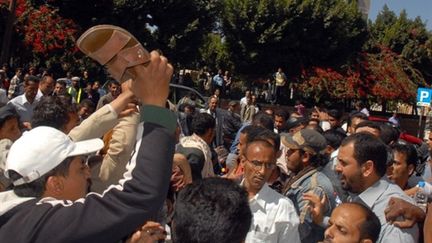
{"points": [[414, 8]]}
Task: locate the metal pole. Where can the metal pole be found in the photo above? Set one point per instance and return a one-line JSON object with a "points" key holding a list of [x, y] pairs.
{"points": [[419, 132], [8, 33]]}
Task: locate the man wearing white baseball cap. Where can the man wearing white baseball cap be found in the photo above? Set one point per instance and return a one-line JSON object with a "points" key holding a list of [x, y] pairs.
{"points": [[121, 209], [45, 162]]}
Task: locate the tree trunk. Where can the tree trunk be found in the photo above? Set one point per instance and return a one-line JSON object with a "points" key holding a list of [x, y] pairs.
{"points": [[5, 54]]}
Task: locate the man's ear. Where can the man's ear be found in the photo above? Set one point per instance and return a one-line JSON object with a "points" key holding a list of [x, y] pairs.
{"points": [[54, 186], [367, 168], [306, 157], [350, 129], [242, 159], [411, 169], [329, 149]]}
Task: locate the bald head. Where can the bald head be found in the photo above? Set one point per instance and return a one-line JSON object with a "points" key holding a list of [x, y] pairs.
{"points": [[352, 222]]}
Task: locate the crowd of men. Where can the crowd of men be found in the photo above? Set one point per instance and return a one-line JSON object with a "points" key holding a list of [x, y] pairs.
{"points": [[198, 174]]}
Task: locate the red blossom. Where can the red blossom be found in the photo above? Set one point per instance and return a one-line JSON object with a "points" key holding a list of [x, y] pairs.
{"points": [[382, 75], [46, 31]]}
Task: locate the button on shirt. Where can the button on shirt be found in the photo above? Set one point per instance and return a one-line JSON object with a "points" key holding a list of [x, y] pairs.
{"points": [[23, 107], [274, 218], [377, 197]]}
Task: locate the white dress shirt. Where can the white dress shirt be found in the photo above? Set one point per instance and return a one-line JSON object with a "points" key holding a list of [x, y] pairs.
{"points": [[243, 101], [23, 107], [274, 218]]}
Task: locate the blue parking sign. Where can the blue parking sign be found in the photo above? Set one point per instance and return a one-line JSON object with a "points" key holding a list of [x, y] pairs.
{"points": [[424, 96]]}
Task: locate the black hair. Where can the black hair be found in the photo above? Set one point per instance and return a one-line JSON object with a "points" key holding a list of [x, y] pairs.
{"points": [[88, 103], [368, 147], [31, 78], [409, 151], [36, 188], [183, 106], [61, 82], [370, 124], [211, 210], [259, 133], [311, 112], [334, 138], [282, 113], [201, 122], [356, 114], [52, 111], [335, 113], [112, 81], [314, 120], [13, 114], [248, 129], [316, 160], [388, 133], [264, 120]]}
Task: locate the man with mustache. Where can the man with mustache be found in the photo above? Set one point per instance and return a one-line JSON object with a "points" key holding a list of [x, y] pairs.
{"points": [[304, 156], [362, 164], [274, 216]]}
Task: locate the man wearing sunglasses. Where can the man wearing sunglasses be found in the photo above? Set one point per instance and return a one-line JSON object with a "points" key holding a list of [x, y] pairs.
{"points": [[274, 216]]}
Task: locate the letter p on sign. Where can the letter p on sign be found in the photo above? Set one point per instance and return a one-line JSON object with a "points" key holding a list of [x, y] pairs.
{"points": [[424, 96]]}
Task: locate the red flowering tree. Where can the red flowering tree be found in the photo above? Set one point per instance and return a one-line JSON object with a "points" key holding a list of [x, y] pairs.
{"points": [[45, 31], [43, 36], [327, 83], [391, 76], [383, 76]]}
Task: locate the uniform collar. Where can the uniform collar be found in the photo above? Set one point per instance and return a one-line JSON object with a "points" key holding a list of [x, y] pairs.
{"points": [[370, 195]]}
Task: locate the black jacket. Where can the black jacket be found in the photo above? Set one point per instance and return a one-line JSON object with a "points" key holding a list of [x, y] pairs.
{"points": [[99, 218]]}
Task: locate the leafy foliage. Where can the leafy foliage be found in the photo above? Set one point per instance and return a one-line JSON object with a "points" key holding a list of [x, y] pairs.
{"points": [[325, 45], [214, 53], [176, 27], [262, 35], [404, 36]]}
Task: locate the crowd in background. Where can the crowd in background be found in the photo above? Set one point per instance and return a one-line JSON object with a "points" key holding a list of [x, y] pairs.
{"points": [[315, 174]]}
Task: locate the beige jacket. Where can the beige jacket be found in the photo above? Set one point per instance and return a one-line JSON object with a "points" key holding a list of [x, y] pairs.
{"points": [[121, 145], [111, 170]]}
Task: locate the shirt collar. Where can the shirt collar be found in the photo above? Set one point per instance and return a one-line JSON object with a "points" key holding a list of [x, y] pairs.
{"points": [[39, 95], [260, 198], [334, 154], [24, 99], [370, 195]]}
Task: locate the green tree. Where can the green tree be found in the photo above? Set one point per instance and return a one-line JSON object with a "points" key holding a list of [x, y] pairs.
{"points": [[406, 37], [214, 53], [176, 27], [84, 13], [265, 34]]}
